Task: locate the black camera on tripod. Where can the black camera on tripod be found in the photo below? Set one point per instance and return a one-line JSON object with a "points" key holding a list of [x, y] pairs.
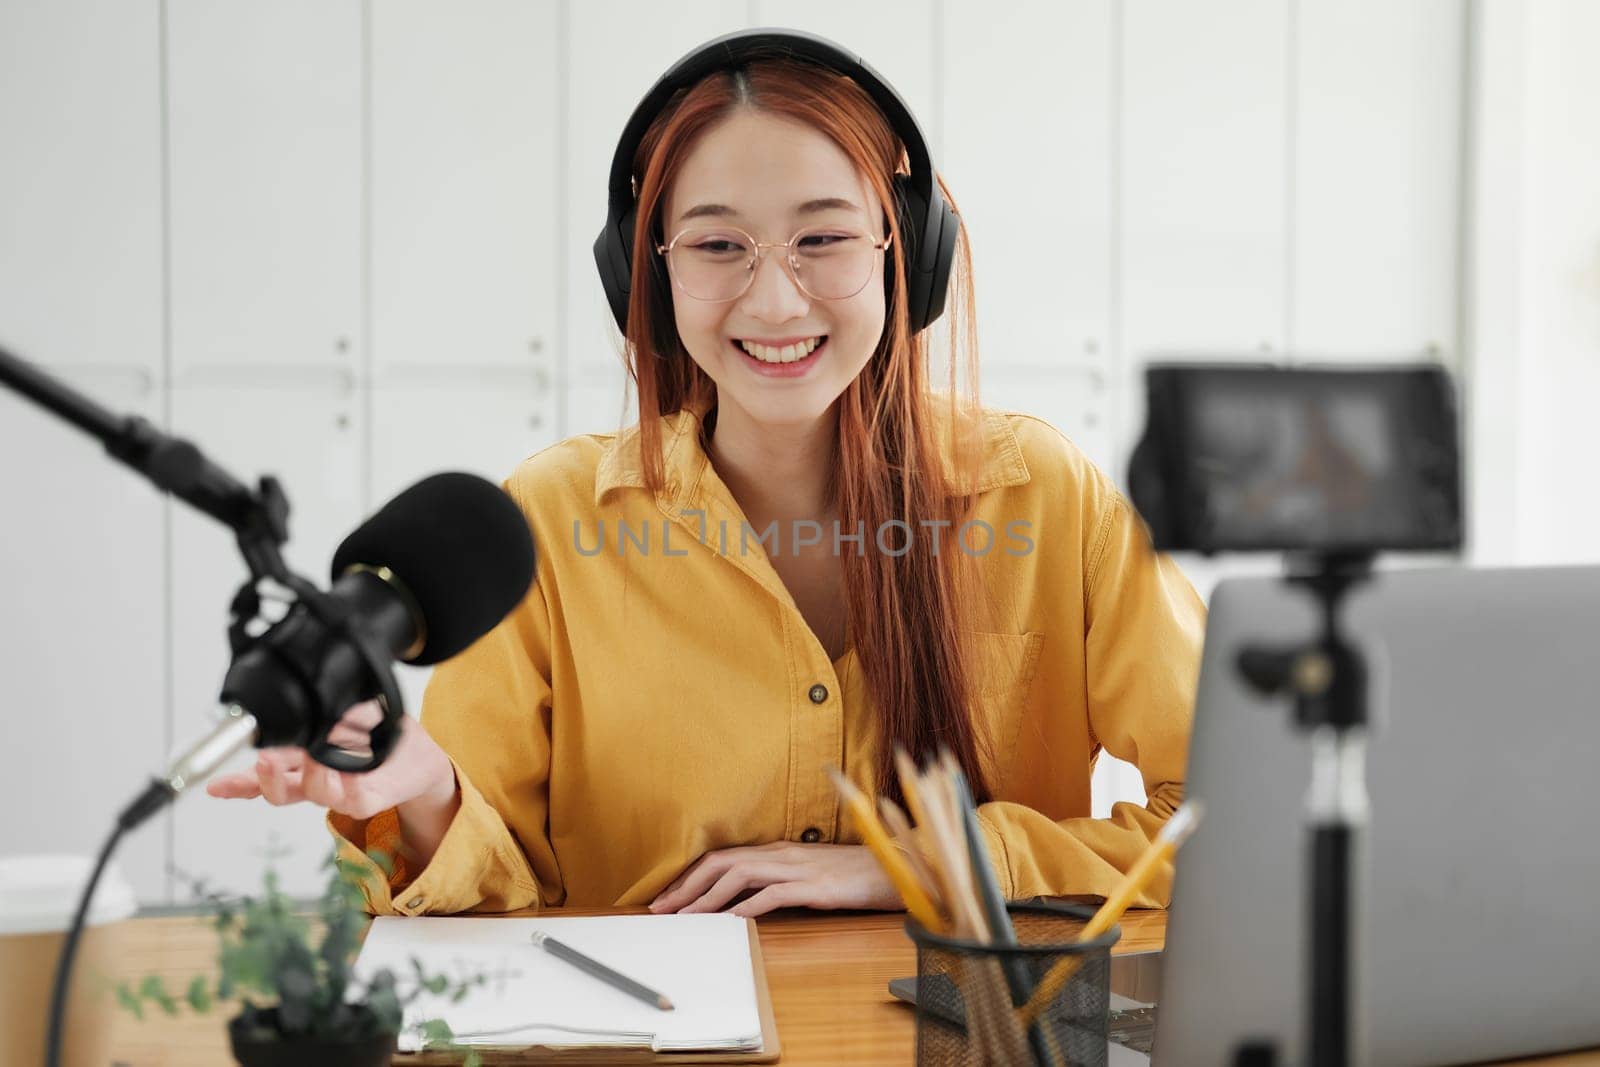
{"points": [[1329, 465]]}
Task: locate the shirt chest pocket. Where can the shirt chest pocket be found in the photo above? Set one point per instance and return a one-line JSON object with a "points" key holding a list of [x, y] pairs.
{"points": [[1005, 665]]}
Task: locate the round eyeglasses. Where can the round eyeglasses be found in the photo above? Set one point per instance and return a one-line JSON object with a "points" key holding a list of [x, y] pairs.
{"points": [[717, 263]]}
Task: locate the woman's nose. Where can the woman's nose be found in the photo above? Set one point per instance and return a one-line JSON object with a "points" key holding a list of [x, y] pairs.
{"points": [[774, 295]]}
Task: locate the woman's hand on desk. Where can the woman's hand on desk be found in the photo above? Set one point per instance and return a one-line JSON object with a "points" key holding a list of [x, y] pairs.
{"points": [[416, 768], [785, 875]]}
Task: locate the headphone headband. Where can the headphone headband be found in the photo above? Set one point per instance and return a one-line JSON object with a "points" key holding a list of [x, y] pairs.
{"points": [[927, 224], [743, 46]]}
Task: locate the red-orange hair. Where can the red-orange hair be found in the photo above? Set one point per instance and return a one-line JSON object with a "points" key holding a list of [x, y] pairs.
{"points": [[902, 452]]}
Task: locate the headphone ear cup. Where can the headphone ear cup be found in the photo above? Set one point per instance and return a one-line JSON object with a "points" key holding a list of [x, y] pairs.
{"points": [[943, 264], [927, 281], [613, 255], [910, 212]]}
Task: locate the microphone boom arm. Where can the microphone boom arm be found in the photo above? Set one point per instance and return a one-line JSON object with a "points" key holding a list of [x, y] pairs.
{"points": [[259, 519]]}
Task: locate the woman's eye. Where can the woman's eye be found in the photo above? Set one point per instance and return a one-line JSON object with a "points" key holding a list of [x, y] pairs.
{"points": [[718, 246], [822, 240]]}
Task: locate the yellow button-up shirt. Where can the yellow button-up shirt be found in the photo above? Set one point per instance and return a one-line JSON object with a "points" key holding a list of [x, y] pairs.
{"points": [[663, 697]]}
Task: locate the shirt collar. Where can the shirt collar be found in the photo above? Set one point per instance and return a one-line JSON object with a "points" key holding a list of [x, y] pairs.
{"points": [[684, 460]]}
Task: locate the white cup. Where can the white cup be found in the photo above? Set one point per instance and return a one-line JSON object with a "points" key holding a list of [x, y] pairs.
{"points": [[38, 896]]}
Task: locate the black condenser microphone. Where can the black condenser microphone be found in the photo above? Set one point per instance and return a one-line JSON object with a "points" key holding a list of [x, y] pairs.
{"points": [[435, 569]]}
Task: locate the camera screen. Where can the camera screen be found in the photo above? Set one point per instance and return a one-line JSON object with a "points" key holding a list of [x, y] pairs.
{"points": [[1262, 458]]}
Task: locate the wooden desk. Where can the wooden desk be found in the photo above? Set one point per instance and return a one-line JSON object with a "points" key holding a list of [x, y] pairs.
{"points": [[828, 974]]}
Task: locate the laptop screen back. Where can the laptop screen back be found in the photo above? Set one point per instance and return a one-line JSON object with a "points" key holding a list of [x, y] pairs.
{"points": [[1479, 914]]}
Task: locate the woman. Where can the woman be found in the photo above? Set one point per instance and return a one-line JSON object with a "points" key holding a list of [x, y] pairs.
{"points": [[801, 555]]}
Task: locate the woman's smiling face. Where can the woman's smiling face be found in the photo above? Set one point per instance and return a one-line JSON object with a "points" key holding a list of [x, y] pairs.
{"points": [[761, 174]]}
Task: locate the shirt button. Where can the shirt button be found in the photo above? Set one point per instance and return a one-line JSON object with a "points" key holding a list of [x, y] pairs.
{"points": [[819, 693], [811, 836], [414, 902]]}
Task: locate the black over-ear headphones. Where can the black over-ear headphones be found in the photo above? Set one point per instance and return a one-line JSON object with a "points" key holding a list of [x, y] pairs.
{"points": [[927, 223]]}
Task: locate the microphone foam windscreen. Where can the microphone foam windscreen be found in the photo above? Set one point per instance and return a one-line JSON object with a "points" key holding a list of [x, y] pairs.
{"points": [[460, 545]]}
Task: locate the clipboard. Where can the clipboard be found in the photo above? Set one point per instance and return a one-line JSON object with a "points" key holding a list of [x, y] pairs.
{"points": [[604, 1056]]}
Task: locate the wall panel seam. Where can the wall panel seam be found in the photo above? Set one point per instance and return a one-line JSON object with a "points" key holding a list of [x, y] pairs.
{"points": [[1291, 174], [563, 223], [367, 381], [168, 621]]}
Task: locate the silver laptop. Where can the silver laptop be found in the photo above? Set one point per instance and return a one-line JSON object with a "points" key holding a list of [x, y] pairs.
{"points": [[1480, 915]]}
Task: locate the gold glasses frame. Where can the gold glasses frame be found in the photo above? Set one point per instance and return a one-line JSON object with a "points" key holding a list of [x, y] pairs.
{"points": [[665, 251]]}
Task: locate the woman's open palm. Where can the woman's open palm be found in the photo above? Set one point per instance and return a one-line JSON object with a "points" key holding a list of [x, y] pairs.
{"points": [[288, 775]]}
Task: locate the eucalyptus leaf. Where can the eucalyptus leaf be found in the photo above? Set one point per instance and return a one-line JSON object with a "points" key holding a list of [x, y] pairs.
{"points": [[386, 1006], [436, 1030], [128, 999], [198, 996]]}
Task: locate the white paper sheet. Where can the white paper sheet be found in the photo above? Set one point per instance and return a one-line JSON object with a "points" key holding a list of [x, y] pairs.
{"points": [[700, 962]]}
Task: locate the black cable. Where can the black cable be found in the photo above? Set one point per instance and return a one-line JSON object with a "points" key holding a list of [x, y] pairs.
{"points": [[154, 797]]}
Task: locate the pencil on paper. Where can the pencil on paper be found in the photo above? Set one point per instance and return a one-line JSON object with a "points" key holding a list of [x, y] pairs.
{"points": [[601, 971]]}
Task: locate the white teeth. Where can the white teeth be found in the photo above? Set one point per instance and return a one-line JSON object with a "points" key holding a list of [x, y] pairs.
{"points": [[786, 354]]}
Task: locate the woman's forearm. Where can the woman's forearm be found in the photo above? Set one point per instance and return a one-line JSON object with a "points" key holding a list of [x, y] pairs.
{"points": [[423, 822]]}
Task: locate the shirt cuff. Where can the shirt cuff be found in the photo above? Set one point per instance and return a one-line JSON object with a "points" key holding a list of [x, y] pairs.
{"points": [[354, 839], [999, 857], [452, 880], [993, 843]]}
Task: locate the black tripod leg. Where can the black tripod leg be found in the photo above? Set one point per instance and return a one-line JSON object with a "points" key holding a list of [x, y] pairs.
{"points": [[1332, 847]]}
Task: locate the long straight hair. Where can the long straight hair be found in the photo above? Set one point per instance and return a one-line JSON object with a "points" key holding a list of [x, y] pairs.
{"points": [[902, 451]]}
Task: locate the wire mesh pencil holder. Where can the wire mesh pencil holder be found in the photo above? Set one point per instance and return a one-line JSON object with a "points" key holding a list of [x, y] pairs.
{"points": [[968, 1013]]}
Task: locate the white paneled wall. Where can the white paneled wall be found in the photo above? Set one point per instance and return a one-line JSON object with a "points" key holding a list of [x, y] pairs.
{"points": [[83, 563], [83, 595], [1203, 167], [265, 168], [1029, 159], [1556, 296], [349, 242], [1375, 163], [465, 165]]}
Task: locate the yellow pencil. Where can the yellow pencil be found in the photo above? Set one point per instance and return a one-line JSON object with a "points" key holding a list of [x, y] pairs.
{"points": [[894, 865], [1173, 834], [894, 820], [908, 786], [916, 803]]}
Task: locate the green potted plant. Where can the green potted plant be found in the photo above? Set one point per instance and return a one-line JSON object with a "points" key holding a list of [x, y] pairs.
{"points": [[306, 1016]]}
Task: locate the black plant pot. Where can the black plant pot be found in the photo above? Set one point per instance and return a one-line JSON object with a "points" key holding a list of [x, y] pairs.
{"points": [[253, 1051]]}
